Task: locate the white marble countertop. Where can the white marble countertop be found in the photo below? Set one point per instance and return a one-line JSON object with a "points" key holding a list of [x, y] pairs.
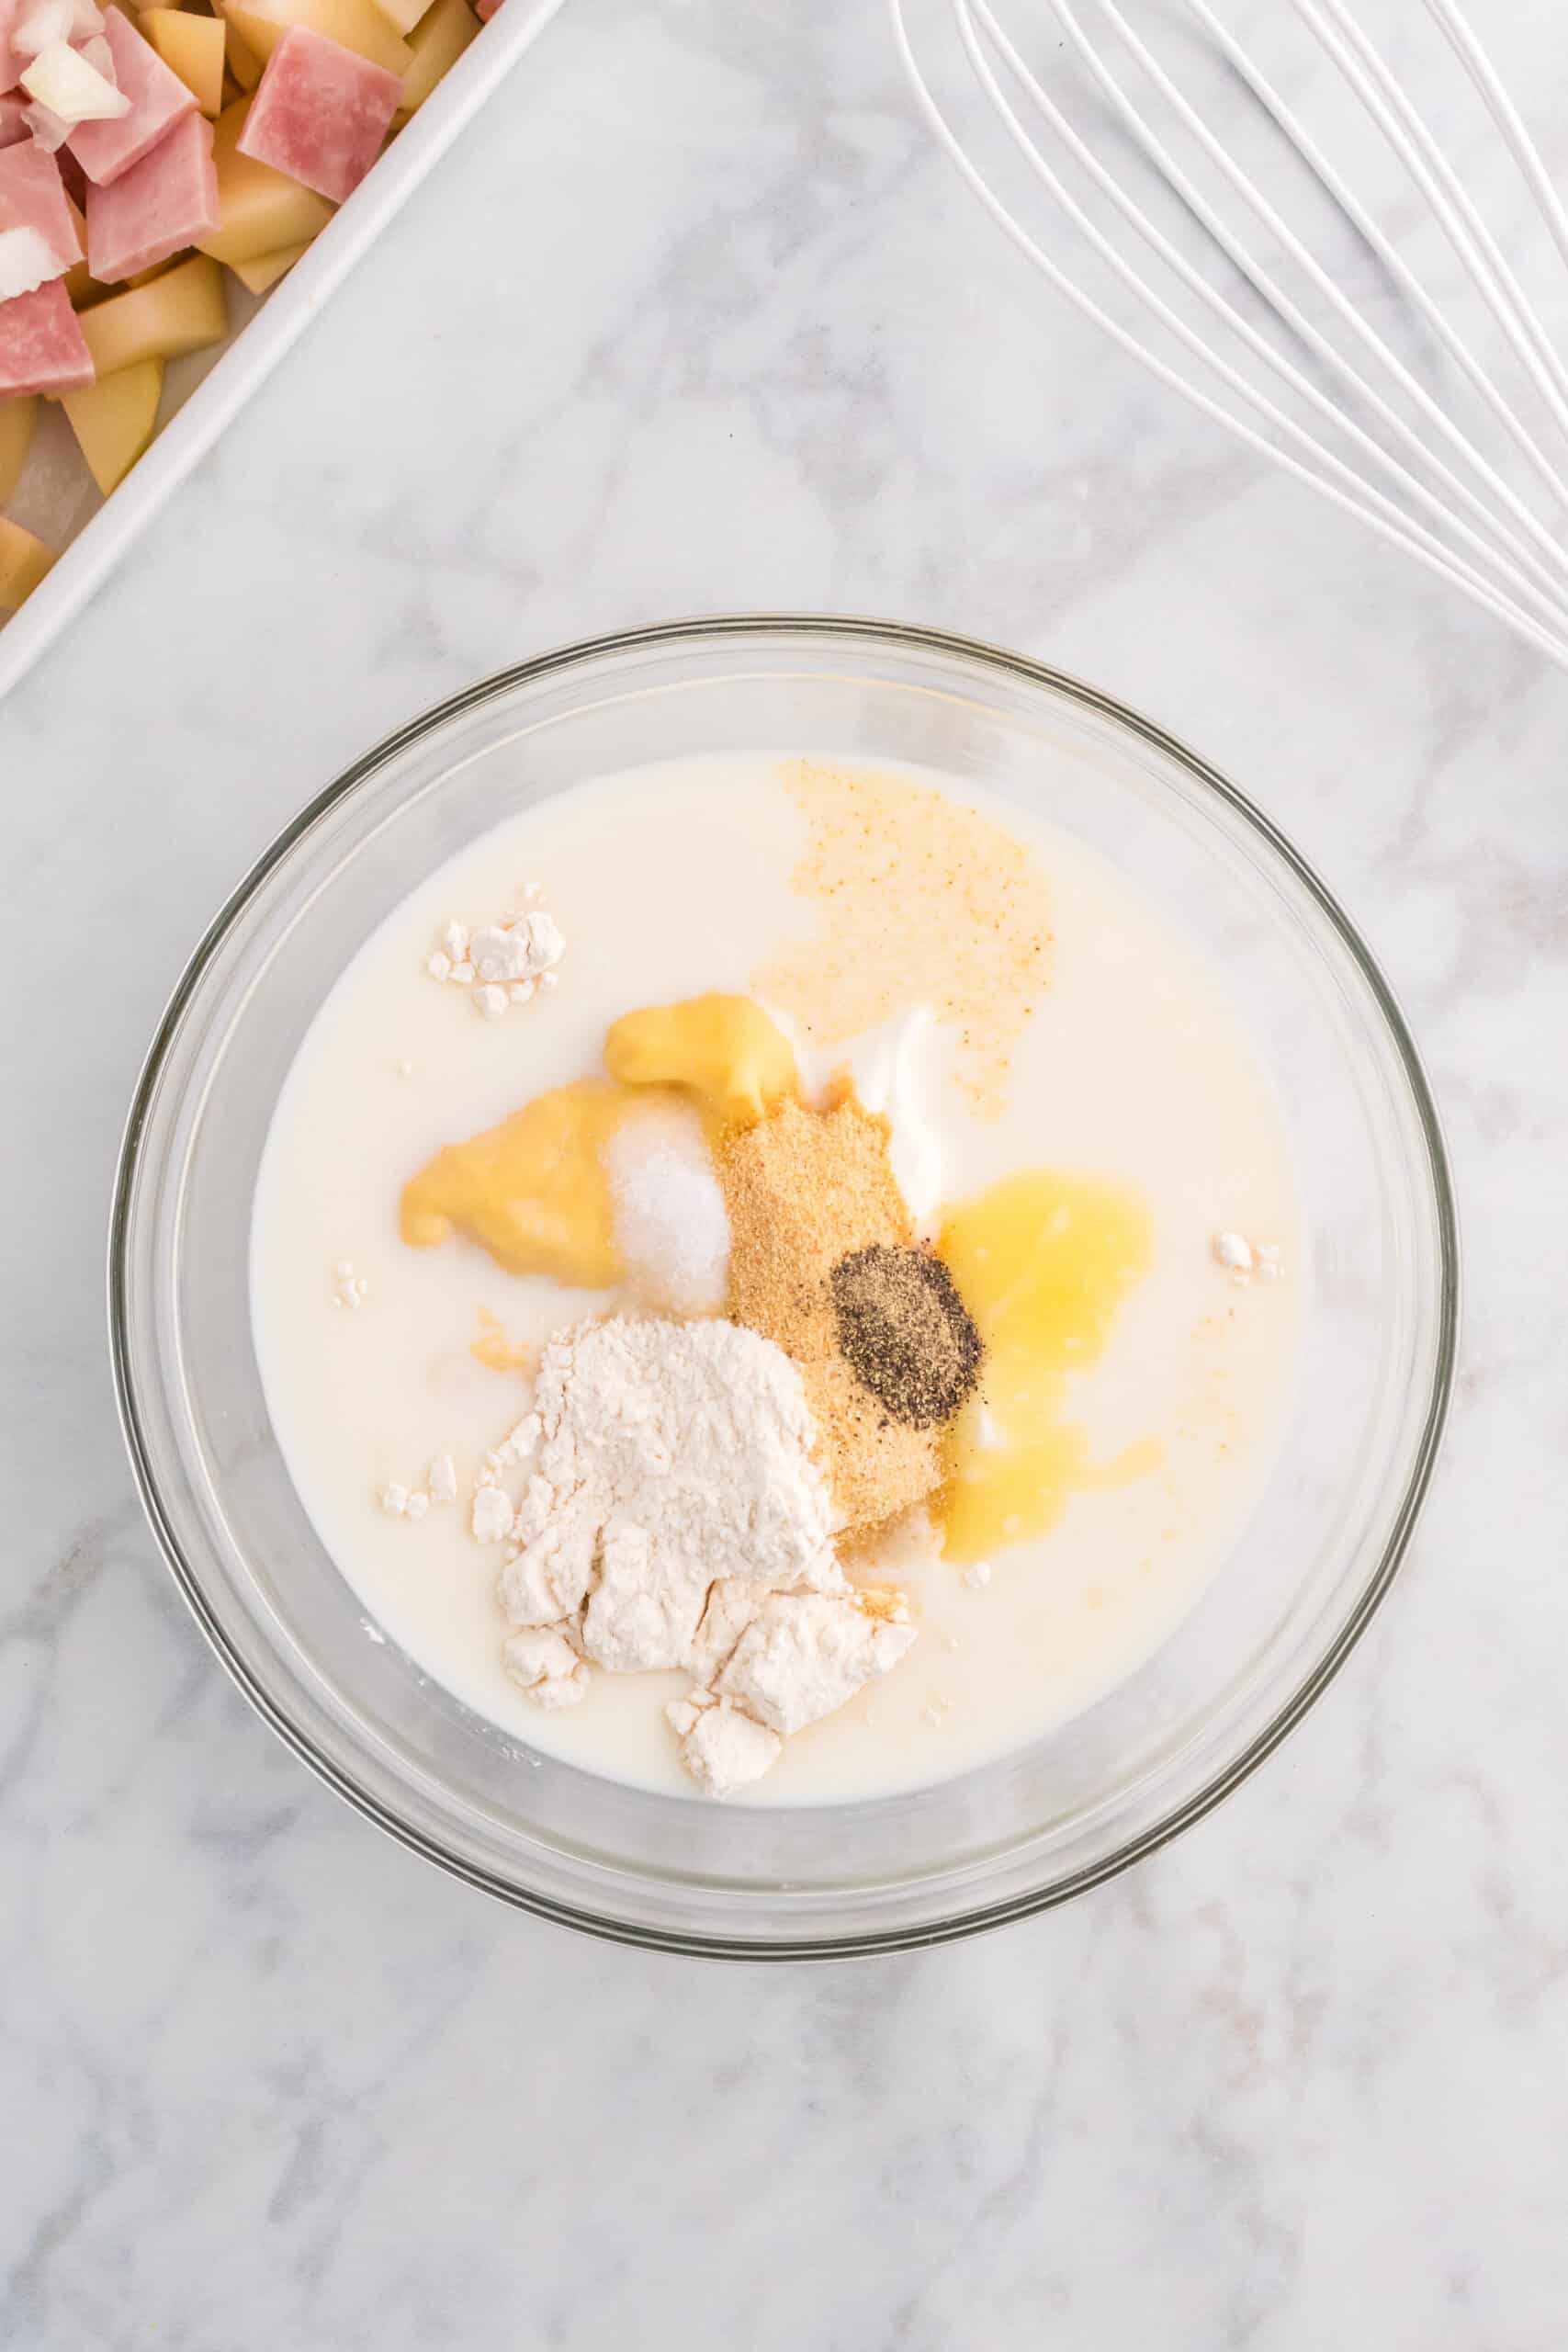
{"points": [[726, 334]]}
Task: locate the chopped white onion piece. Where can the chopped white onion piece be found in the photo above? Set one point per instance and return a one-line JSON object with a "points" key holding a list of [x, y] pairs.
{"points": [[41, 24], [48, 131], [25, 260], [72, 88]]}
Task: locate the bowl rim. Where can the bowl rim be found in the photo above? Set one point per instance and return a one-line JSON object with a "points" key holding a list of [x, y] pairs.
{"points": [[980, 1918]]}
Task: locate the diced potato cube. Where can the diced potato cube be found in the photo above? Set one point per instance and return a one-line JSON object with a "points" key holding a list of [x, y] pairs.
{"points": [[244, 65], [181, 310], [259, 210], [265, 270], [113, 419], [437, 42], [79, 283], [353, 24], [23, 562], [191, 47], [17, 419], [404, 15]]}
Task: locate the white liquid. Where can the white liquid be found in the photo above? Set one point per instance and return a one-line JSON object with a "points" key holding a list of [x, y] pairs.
{"points": [[668, 882]]}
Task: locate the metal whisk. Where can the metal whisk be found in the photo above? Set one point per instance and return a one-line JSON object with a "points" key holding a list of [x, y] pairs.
{"points": [[1332, 294]]}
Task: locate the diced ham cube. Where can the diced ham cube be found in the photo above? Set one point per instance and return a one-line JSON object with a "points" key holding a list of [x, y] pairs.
{"points": [[11, 59], [158, 100], [485, 9], [163, 203], [32, 196], [320, 113], [14, 117], [41, 349]]}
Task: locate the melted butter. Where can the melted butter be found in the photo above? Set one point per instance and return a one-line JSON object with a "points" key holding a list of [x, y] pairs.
{"points": [[534, 1191], [1043, 1261], [723, 1050], [496, 1352]]}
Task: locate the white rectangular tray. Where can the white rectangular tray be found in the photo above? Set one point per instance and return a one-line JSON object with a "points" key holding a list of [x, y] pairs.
{"points": [[259, 344]]}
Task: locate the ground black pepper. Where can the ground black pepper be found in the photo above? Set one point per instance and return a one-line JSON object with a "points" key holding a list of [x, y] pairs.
{"points": [[906, 1332]]}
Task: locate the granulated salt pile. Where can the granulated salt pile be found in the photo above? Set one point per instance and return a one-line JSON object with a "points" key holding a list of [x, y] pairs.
{"points": [[671, 1225]]}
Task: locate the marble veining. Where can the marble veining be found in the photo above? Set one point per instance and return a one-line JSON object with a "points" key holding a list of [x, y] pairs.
{"points": [[696, 321]]}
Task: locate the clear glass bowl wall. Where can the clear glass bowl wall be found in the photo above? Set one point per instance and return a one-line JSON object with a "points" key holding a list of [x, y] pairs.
{"points": [[1021, 1833]]}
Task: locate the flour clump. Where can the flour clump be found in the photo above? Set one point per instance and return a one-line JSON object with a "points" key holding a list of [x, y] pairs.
{"points": [[672, 1515]]}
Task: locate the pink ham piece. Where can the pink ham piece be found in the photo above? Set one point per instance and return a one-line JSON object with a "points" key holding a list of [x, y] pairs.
{"points": [[10, 64], [14, 119], [319, 113], [32, 196], [485, 9], [42, 348], [158, 100], [163, 203], [75, 177]]}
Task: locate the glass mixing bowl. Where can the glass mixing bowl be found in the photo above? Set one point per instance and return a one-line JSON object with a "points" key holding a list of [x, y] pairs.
{"points": [[1020, 1833]]}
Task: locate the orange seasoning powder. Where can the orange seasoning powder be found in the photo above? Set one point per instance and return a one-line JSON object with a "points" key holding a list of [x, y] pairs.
{"points": [[802, 1189]]}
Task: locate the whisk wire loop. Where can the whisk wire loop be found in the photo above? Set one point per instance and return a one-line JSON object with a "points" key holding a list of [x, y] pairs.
{"points": [[1411, 471]]}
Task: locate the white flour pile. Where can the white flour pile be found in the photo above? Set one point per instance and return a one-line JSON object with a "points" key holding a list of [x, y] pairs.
{"points": [[672, 1516]]}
